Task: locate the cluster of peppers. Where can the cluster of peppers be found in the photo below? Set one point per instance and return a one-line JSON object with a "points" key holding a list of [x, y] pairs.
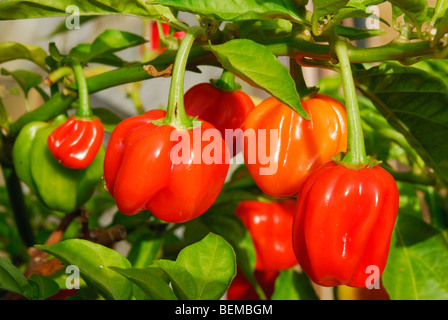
{"points": [[335, 218]]}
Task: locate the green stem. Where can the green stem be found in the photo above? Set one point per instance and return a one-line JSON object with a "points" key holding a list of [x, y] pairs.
{"points": [[133, 93], [18, 206], [297, 74], [356, 153], [175, 110], [412, 178], [226, 82], [58, 74], [83, 91], [50, 109]]}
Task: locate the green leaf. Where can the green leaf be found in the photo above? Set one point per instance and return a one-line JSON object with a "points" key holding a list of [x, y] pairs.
{"points": [[416, 10], [322, 9], [417, 263], [291, 285], [18, 9], [93, 261], [203, 270], [112, 41], [402, 95], [25, 78], [12, 279], [102, 48], [357, 33], [436, 67], [17, 51], [145, 249], [159, 12], [221, 220], [255, 64], [234, 10], [149, 281], [43, 287], [440, 20], [184, 285]]}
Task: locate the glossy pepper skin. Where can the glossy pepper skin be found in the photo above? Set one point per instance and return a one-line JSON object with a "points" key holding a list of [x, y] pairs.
{"points": [[301, 147], [270, 225], [76, 142], [343, 224], [223, 109], [58, 187], [140, 173]]}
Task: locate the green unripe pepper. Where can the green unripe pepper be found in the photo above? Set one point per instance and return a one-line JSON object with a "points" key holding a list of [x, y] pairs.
{"points": [[58, 187]]}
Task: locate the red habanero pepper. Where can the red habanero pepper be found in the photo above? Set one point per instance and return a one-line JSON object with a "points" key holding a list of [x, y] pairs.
{"points": [[343, 224], [76, 142], [141, 172], [301, 146], [270, 225], [221, 103]]}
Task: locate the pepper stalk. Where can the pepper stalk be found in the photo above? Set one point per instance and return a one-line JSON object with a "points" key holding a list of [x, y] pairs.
{"points": [[84, 110], [355, 156], [176, 114], [226, 82]]}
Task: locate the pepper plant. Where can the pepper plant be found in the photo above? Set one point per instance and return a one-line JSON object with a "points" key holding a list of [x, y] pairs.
{"points": [[366, 149]]}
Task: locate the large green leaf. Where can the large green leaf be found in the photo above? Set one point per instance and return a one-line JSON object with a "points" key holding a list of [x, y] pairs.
{"points": [[414, 103], [112, 41], [19, 9], [203, 270], [105, 45], [257, 65], [418, 261], [234, 10], [16, 51], [94, 262]]}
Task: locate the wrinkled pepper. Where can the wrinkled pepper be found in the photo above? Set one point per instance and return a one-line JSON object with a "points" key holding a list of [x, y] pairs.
{"points": [[76, 142]]}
